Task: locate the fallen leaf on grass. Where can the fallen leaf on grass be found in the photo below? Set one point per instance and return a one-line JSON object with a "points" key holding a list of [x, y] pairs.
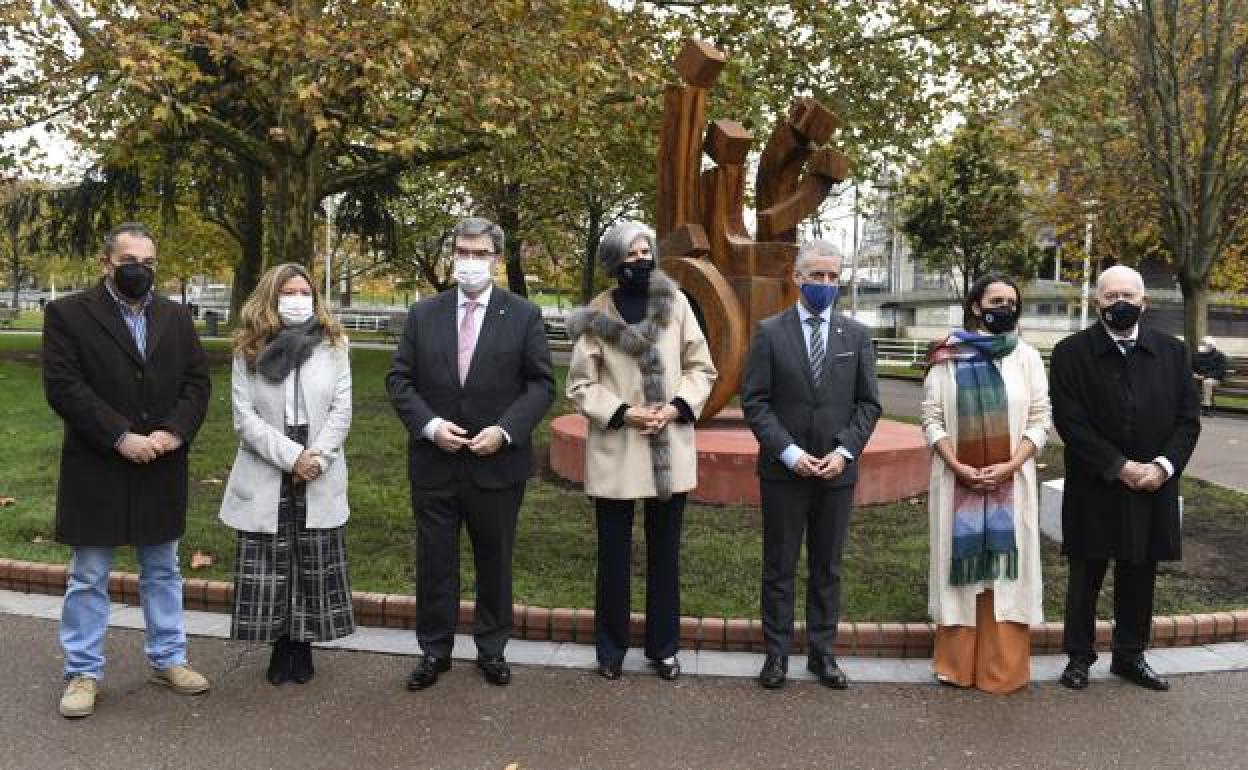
{"points": [[210, 480], [5, 502], [39, 539], [201, 559]]}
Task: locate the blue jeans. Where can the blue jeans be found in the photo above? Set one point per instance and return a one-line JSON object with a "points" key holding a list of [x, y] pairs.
{"points": [[84, 616]]}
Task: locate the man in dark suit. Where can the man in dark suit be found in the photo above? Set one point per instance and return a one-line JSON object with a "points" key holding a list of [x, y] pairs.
{"points": [[1125, 406], [123, 368], [810, 396], [471, 379]]}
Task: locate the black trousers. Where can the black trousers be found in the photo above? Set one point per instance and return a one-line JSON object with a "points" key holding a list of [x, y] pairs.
{"points": [[791, 510], [490, 517], [663, 521], [1133, 607]]}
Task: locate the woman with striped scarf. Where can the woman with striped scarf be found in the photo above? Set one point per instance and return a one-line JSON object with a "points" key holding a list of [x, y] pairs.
{"points": [[986, 414]]}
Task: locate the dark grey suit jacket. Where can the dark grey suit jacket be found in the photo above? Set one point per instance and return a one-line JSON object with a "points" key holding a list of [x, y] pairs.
{"points": [[510, 384], [784, 405]]}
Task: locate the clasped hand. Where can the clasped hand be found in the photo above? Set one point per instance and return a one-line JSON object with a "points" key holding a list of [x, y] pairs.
{"points": [[827, 467], [1142, 477], [985, 479], [649, 420], [141, 449], [451, 438]]}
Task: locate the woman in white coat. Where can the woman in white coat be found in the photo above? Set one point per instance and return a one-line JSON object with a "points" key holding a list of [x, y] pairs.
{"points": [[985, 413], [287, 493]]}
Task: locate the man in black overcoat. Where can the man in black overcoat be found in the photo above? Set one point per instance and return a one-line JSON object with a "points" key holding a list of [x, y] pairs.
{"points": [[124, 369], [1126, 408], [471, 379]]}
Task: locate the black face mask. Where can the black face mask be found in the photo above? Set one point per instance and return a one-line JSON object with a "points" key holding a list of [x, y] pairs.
{"points": [[635, 275], [133, 280], [1122, 315], [999, 320]]}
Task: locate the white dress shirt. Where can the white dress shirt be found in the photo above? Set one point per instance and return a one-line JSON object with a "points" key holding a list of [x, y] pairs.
{"points": [[461, 307]]}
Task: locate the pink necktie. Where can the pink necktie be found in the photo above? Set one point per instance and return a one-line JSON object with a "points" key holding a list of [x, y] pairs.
{"points": [[467, 338]]}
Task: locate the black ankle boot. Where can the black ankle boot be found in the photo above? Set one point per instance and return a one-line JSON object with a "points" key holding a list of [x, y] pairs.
{"points": [[280, 662], [301, 662]]}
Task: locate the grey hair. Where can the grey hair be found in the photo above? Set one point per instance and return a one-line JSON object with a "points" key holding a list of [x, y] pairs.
{"points": [[616, 242], [816, 248], [134, 229], [1123, 271], [473, 226]]}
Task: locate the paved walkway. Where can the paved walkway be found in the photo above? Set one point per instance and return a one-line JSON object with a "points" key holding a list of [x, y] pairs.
{"points": [[355, 713], [1231, 656]]}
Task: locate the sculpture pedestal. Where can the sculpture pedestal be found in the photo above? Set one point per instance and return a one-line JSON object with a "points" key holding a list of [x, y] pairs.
{"points": [[894, 466]]}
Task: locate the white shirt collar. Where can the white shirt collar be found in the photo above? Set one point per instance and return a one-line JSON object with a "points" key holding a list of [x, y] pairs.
{"points": [[803, 313], [483, 299], [1132, 335]]}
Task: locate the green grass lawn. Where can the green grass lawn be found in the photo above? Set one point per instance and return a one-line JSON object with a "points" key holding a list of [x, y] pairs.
{"points": [[885, 562]]}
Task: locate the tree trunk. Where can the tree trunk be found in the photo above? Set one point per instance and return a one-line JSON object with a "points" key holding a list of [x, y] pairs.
{"points": [[251, 229], [508, 213], [290, 211], [593, 237], [1195, 311], [344, 297]]}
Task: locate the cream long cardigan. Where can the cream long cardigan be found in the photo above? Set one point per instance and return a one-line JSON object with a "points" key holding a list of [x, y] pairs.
{"points": [[1030, 415]]}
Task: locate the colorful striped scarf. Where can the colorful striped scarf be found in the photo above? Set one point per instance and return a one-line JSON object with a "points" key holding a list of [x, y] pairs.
{"points": [[983, 523]]}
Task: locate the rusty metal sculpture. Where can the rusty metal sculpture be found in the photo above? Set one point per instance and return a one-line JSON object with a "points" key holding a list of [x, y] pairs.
{"points": [[734, 280]]}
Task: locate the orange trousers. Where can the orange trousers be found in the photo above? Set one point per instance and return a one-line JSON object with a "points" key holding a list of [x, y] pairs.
{"points": [[992, 656]]}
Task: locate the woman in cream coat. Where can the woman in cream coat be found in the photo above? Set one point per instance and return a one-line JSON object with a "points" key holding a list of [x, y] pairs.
{"points": [[983, 612], [287, 493], [641, 372]]}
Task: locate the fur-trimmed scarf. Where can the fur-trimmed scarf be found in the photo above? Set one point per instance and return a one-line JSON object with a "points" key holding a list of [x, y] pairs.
{"points": [[640, 340]]}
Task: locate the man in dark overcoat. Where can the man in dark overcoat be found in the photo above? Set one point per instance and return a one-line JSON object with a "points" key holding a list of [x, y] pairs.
{"points": [[1126, 408], [124, 369]]}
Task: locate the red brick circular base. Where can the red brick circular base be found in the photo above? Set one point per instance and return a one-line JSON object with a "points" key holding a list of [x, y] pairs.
{"points": [[894, 465], [887, 640]]}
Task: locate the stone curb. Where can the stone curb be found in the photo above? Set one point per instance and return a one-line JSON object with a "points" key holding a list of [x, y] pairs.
{"points": [[566, 624]]}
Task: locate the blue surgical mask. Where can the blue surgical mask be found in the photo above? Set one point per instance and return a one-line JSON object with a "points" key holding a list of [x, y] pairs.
{"points": [[819, 296]]}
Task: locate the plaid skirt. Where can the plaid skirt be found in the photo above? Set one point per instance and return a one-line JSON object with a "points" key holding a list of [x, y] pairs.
{"points": [[293, 582]]}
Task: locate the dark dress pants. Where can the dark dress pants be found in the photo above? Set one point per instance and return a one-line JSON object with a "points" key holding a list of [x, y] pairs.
{"points": [[791, 510], [611, 600], [490, 517], [1133, 607]]}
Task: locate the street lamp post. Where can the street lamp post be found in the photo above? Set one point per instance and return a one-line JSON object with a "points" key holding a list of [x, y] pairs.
{"points": [[1087, 263]]}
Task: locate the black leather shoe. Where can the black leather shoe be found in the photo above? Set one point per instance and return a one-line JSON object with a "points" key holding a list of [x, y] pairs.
{"points": [[495, 670], [426, 672], [775, 669], [1075, 675], [830, 674], [668, 671], [609, 670], [1139, 672], [302, 670], [280, 663]]}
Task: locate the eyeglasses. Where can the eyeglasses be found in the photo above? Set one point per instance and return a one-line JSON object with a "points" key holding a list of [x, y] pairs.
{"points": [[129, 260], [474, 253]]}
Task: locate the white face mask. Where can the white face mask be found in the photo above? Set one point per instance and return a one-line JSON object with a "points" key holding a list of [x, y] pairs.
{"points": [[473, 275], [294, 309]]}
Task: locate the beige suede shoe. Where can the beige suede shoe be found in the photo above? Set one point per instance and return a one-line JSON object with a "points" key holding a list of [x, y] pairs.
{"points": [[79, 698], [181, 679]]}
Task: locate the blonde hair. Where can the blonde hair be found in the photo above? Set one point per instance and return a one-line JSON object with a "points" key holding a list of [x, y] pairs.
{"points": [[259, 323]]}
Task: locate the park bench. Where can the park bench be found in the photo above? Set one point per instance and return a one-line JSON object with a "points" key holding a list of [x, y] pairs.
{"points": [[1236, 381], [7, 316], [393, 328]]}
